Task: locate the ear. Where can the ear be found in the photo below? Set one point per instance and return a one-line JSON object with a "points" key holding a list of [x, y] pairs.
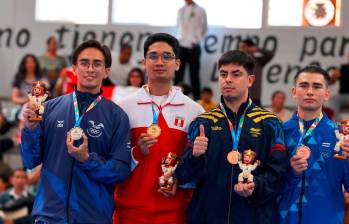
{"points": [[143, 61], [327, 94], [106, 73], [178, 63], [293, 92], [74, 68], [251, 79]]}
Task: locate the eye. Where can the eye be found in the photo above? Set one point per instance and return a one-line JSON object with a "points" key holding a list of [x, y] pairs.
{"points": [[168, 56]]}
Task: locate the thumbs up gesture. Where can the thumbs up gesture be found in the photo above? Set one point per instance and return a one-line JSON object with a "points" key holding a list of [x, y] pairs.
{"points": [[200, 143]]}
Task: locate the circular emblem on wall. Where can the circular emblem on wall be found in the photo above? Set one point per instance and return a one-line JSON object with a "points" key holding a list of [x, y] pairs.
{"points": [[319, 12]]}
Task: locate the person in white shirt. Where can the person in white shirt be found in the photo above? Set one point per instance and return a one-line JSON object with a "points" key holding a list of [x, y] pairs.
{"points": [[277, 106], [192, 27], [122, 65]]}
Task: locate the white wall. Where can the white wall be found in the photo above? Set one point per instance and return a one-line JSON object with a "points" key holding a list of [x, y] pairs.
{"points": [[324, 45]]}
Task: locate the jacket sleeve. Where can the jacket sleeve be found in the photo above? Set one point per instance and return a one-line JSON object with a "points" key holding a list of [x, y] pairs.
{"points": [[191, 169], [270, 181], [117, 166], [32, 146]]}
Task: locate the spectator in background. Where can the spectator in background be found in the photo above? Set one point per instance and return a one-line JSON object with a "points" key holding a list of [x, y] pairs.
{"points": [[51, 64], [28, 72], [277, 106], [206, 99], [186, 89], [192, 26], [135, 80], [17, 198], [261, 57], [342, 98], [4, 183], [122, 65]]}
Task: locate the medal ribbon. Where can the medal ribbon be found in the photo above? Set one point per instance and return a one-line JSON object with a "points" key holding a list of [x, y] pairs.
{"points": [[310, 130], [235, 134], [155, 115], [78, 118]]}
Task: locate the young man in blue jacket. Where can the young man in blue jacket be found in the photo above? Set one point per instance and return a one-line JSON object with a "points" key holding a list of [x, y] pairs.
{"points": [[313, 192], [83, 144], [229, 189]]}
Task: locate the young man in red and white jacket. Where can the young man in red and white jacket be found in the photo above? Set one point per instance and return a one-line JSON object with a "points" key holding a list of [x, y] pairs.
{"points": [[159, 115]]}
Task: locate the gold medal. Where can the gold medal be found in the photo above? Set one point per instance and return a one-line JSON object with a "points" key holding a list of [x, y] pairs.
{"points": [[76, 133], [233, 157], [154, 130], [303, 151]]}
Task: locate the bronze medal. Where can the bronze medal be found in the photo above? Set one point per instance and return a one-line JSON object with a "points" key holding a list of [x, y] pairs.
{"points": [[304, 151], [154, 130], [76, 133], [233, 157]]}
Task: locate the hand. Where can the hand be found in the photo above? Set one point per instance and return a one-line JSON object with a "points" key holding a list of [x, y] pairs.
{"points": [[244, 189], [298, 164], [28, 112], [200, 143], [79, 153], [146, 141], [345, 146], [169, 193]]}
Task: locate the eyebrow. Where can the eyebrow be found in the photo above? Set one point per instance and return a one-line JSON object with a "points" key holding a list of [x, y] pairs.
{"points": [[85, 59], [307, 83]]}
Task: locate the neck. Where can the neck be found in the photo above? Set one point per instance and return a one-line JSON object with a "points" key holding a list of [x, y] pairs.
{"points": [[276, 109], [84, 90], [51, 54], [18, 191], [30, 75], [234, 104], [159, 89], [308, 115]]}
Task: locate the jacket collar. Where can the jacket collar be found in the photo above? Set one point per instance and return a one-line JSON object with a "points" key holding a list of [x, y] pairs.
{"points": [[174, 98]]}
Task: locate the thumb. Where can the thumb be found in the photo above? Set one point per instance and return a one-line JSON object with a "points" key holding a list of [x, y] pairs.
{"points": [[202, 130]]}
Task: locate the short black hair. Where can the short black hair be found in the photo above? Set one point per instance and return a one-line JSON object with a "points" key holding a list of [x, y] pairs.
{"points": [[49, 39], [93, 44], [162, 37], [207, 90], [125, 46], [313, 68], [249, 42], [277, 92], [239, 58]]}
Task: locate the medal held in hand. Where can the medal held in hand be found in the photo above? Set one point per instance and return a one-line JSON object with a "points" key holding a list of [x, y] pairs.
{"points": [[342, 132], [233, 157], [154, 130], [304, 151], [76, 132], [37, 96], [168, 166]]}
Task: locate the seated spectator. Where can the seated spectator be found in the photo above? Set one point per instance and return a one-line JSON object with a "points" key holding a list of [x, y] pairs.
{"points": [[135, 80], [186, 89], [277, 106], [16, 203], [206, 99], [28, 72], [5, 142]]}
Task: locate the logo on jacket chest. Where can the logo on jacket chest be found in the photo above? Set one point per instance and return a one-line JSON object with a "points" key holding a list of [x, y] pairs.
{"points": [[95, 130], [60, 124]]}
